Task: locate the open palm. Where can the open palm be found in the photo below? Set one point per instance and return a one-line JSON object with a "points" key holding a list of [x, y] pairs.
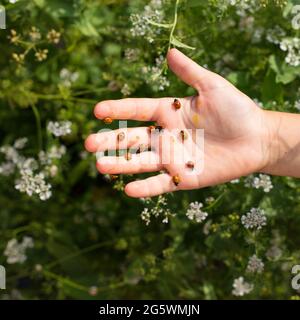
{"points": [[233, 126]]}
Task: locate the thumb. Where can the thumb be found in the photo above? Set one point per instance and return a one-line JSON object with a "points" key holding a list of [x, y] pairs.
{"points": [[188, 70]]}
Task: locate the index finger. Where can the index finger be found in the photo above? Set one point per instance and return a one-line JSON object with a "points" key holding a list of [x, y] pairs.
{"points": [[142, 109]]}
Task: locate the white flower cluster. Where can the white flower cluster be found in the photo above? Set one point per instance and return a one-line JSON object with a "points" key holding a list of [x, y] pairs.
{"points": [[255, 219], [126, 91], [132, 54], [13, 159], [55, 152], [160, 209], [275, 251], [31, 181], [141, 23], [195, 213], [153, 75], [255, 265], [59, 128], [16, 252], [263, 181], [31, 184], [292, 47], [241, 287], [67, 77], [243, 7], [297, 105]]}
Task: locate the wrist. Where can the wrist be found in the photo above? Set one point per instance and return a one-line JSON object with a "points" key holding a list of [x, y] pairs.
{"points": [[281, 143], [272, 144]]}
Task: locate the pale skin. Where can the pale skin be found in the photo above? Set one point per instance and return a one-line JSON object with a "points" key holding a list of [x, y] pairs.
{"points": [[239, 137]]}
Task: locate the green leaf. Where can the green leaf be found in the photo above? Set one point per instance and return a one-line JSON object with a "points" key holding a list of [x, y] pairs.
{"points": [[271, 89], [284, 73], [180, 44], [40, 3]]}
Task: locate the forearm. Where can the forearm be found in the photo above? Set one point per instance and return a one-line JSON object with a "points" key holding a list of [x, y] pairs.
{"points": [[283, 144]]}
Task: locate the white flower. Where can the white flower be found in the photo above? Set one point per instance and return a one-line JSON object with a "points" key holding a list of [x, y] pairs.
{"points": [[16, 252], [207, 227], [7, 168], [297, 105], [159, 209], [126, 90], [292, 47], [255, 219], [31, 184], [274, 253], [20, 143], [195, 213], [262, 181], [131, 54], [38, 268], [255, 265], [241, 287], [53, 170], [56, 152], [93, 291], [35, 34], [145, 216], [141, 23], [59, 129], [153, 75], [68, 77]]}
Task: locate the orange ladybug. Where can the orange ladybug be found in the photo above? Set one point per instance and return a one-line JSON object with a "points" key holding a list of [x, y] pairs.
{"points": [[176, 104], [176, 180], [151, 128], [108, 120], [190, 165]]}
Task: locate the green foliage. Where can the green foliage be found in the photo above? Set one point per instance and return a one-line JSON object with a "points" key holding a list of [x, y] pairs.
{"points": [[58, 59]]}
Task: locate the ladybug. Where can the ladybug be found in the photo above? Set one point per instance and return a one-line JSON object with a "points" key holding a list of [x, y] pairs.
{"points": [[108, 120], [159, 128], [151, 128], [190, 165], [177, 104], [176, 180]]}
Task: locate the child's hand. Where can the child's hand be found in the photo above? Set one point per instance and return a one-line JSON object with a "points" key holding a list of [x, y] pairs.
{"points": [[234, 126]]}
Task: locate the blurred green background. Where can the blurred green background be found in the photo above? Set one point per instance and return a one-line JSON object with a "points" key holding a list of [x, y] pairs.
{"points": [[68, 232]]}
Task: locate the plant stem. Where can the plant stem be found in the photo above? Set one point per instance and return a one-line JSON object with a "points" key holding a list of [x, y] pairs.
{"points": [[58, 97], [174, 23], [79, 252], [66, 281], [39, 126]]}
